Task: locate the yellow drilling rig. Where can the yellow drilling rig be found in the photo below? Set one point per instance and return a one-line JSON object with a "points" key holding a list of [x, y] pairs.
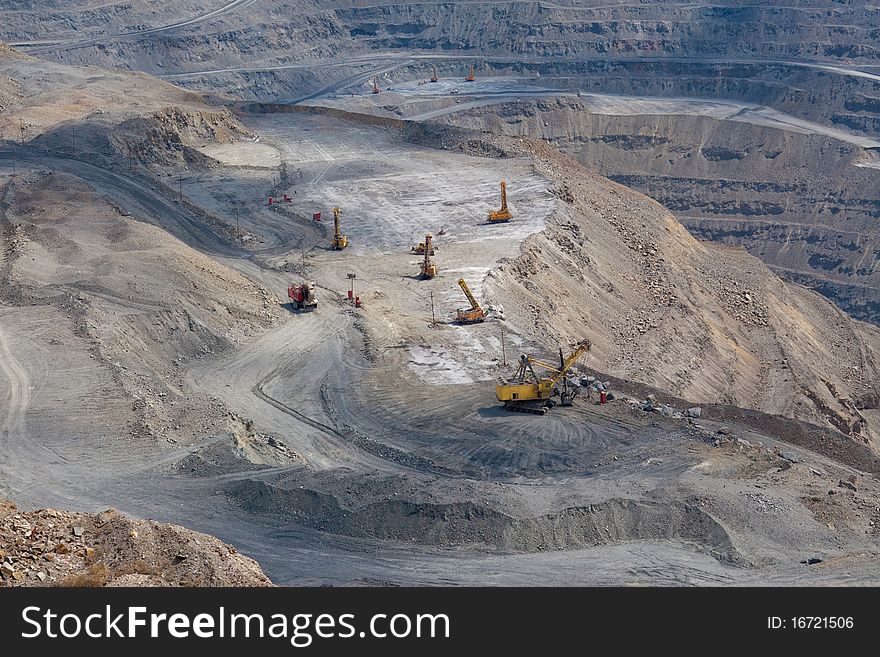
{"points": [[429, 267], [529, 393], [420, 249], [471, 315], [340, 241], [434, 74], [503, 215]]}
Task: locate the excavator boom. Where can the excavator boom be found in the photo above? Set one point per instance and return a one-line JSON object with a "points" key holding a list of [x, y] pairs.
{"points": [[581, 348], [467, 292], [473, 314], [503, 215]]}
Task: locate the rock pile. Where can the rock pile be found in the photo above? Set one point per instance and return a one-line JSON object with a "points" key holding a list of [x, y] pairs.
{"points": [[57, 548]]}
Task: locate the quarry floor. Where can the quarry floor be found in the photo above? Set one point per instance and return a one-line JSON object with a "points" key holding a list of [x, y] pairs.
{"points": [[398, 465]]}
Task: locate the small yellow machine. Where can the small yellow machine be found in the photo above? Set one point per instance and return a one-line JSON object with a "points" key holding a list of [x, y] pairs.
{"points": [[471, 315], [340, 241], [429, 267], [529, 393], [503, 215], [420, 249]]}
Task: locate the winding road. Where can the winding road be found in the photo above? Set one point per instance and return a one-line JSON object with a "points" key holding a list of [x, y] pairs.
{"points": [[37, 47]]}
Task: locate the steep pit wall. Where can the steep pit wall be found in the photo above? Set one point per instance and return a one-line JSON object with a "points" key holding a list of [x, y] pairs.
{"points": [[799, 202]]}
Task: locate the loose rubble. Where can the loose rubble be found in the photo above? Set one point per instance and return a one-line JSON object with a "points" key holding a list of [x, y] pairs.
{"points": [[58, 548]]}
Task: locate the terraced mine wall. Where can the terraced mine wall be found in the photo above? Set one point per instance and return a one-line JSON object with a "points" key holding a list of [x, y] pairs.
{"points": [[781, 56], [803, 203]]}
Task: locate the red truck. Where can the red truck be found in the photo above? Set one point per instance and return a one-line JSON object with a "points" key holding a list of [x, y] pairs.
{"points": [[302, 297]]}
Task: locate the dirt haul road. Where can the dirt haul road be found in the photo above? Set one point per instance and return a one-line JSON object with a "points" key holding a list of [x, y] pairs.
{"points": [[36, 47], [139, 199]]}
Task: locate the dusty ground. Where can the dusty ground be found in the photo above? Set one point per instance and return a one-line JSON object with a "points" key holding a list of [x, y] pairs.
{"points": [[366, 446], [800, 195]]}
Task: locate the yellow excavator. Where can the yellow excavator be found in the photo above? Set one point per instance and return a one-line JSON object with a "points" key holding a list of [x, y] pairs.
{"points": [[429, 267], [340, 241], [471, 315], [529, 393], [503, 215]]}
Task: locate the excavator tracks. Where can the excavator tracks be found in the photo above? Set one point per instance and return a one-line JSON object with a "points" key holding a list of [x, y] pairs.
{"points": [[534, 410]]}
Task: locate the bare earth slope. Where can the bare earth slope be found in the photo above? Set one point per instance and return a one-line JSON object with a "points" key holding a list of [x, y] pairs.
{"points": [[704, 321], [804, 201]]}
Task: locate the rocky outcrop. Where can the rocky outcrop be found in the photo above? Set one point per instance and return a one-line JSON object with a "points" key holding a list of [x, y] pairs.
{"points": [[49, 547]]}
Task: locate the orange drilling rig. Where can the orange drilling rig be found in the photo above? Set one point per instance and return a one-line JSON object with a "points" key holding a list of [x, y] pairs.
{"points": [[434, 74], [429, 267], [503, 215], [471, 76], [475, 313], [376, 88], [340, 241]]}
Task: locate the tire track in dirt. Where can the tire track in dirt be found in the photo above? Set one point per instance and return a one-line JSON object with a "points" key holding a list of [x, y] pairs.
{"points": [[21, 448], [19, 394]]}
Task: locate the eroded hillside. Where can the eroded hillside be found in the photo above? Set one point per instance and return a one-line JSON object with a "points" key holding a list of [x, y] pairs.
{"points": [[706, 322], [804, 202]]}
